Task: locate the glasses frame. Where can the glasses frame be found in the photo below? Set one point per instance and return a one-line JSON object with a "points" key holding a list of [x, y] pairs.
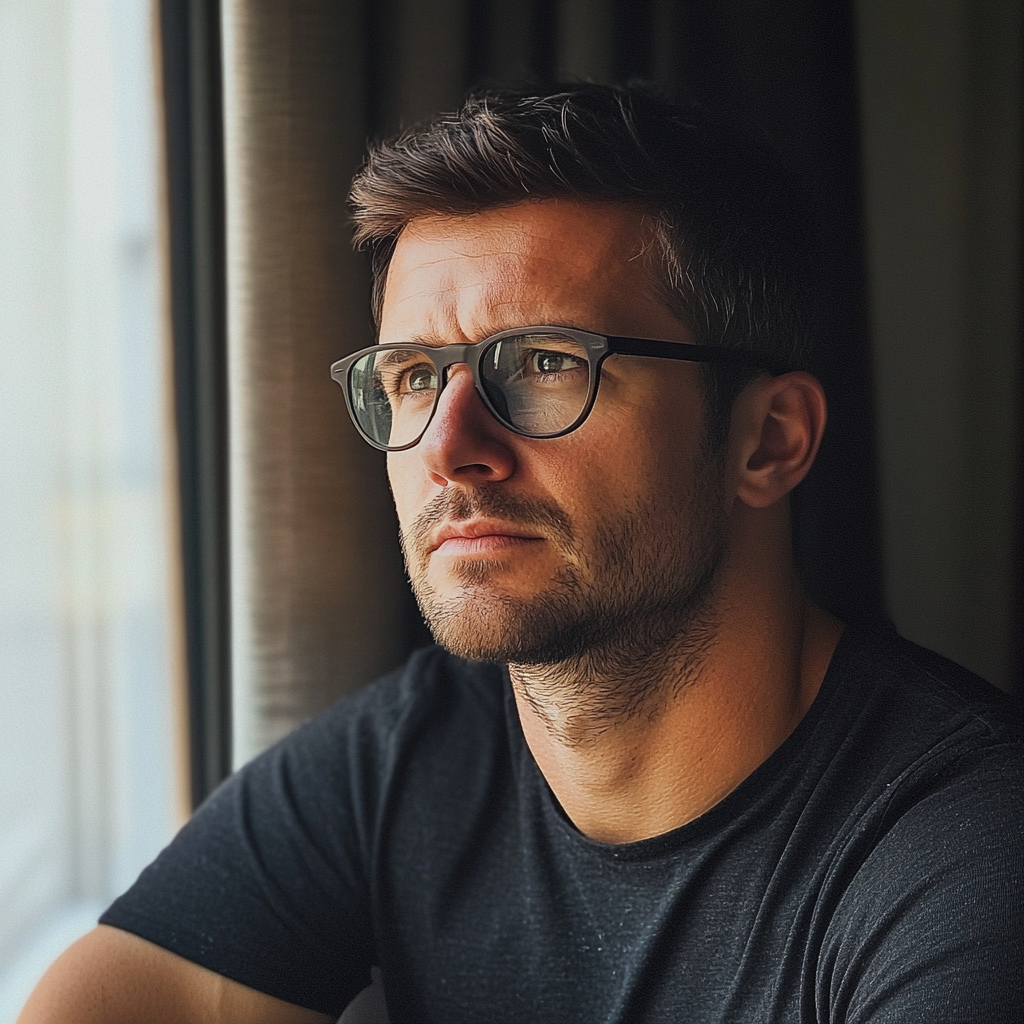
{"points": [[597, 347]]}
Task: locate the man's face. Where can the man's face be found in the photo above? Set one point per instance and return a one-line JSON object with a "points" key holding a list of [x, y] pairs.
{"points": [[535, 551]]}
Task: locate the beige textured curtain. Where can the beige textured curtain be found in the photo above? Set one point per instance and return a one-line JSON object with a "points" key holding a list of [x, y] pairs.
{"points": [[317, 584]]}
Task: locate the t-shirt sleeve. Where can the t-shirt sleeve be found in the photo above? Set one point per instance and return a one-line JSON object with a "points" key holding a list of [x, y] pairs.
{"points": [[931, 929], [267, 884]]}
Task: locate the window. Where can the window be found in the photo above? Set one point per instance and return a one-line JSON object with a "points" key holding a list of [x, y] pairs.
{"points": [[87, 679]]}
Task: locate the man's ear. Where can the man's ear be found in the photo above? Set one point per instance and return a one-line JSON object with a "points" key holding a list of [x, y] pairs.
{"points": [[777, 427]]}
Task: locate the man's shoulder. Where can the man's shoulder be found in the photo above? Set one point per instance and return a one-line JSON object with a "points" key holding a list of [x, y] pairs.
{"points": [[925, 882], [910, 738], [430, 682], [433, 692], [933, 696], [950, 723]]}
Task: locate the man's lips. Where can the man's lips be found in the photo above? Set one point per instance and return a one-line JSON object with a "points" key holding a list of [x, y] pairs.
{"points": [[478, 536]]}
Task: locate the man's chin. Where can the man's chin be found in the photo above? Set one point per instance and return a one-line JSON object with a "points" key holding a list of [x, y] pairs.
{"points": [[474, 622], [489, 594], [486, 623]]}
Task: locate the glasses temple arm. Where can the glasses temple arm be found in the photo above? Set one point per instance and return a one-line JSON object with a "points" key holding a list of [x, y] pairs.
{"points": [[692, 353]]}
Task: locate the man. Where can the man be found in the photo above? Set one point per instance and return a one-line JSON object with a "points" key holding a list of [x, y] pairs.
{"points": [[651, 781]]}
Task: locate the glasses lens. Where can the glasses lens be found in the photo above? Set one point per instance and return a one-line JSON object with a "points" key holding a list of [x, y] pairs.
{"points": [[393, 392], [539, 383]]}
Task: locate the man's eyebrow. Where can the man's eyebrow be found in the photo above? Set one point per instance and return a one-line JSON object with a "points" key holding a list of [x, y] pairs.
{"points": [[436, 341], [573, 322], [527, 326], [393, 357], [429, 340]]}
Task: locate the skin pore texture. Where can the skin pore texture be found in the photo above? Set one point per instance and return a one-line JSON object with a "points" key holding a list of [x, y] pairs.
{"points": [[640, 586]]}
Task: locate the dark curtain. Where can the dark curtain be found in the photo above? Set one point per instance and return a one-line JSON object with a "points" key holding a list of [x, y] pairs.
{"points": [[190, 45]]}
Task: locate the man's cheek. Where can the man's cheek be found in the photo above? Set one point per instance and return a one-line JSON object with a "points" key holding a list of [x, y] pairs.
{"points": [[405, 487]]}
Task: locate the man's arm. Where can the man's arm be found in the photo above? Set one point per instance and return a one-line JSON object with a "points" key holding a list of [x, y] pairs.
{"points": [[113, 977]]}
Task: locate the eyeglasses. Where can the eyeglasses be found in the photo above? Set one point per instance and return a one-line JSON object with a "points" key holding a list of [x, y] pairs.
{"points": [[537, 381]]}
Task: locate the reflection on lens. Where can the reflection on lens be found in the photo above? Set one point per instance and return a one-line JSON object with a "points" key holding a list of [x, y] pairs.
{"points": [[392, 393], [539, 383]]}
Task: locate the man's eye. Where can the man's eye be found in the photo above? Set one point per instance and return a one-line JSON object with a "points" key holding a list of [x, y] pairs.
{"points": [[397, 382], [554, 362], [419, 378]]}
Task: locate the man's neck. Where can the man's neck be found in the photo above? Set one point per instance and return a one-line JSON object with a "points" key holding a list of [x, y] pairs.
{"points": [[721, 712]]}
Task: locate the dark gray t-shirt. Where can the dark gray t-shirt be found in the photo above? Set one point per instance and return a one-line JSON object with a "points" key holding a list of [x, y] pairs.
{"points": [[870, 870]]}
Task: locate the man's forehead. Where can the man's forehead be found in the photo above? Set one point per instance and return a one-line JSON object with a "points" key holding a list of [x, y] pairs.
{"points": [[541, 218], [532, 260]]}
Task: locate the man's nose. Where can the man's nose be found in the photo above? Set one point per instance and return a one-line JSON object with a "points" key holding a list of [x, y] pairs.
{"points": [[464, 444]]}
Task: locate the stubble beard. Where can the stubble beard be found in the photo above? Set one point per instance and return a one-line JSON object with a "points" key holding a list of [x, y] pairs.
{"points": [[618, 630]]}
